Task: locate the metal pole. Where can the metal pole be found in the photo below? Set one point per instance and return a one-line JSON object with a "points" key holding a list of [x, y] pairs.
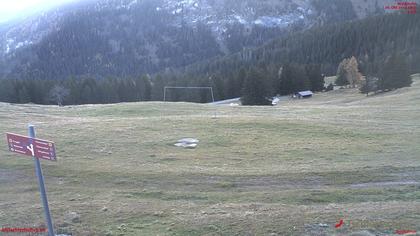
{"points": [[164, 94], [44, 199], [212, 96]]}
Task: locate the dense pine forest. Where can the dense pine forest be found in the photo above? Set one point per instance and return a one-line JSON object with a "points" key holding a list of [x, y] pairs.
{"points": [[284, 66], [370, 40]]}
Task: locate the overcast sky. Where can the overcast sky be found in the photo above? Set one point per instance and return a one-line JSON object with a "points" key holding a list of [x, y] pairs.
{"points": [[10, 9]]}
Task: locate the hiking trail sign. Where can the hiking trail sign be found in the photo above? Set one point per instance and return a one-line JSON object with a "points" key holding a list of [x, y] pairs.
{"points": [[37, 149], [33, 147]]}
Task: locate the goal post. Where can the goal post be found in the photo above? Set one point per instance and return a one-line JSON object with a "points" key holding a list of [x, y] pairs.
{"points": [[186, 88]]}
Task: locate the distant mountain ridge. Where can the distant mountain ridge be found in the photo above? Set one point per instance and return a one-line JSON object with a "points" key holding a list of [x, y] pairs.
{"points": [[126, 38]]}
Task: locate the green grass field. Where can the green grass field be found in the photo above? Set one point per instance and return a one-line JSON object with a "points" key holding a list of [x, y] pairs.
{"points": [[257, 170]]}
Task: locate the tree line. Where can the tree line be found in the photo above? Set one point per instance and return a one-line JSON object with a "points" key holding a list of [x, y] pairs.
{"points": [[394, 74], [253, 84], [75, 91]]}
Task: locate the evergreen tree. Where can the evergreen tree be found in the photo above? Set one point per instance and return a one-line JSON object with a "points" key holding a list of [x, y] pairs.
{"points": [[110, 94], [147, 89], [315, 77], [370, 84], [89, 91], [144, 88], [218, 87], [158, 85], [254, 91], [232, 87], [301, 80], [239, 82], [24, 95], [293, 78], [286, 80], [6, 91], [394, 73]]}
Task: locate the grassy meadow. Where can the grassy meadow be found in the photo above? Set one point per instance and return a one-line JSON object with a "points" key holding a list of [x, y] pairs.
{"points": [[280, 170]]}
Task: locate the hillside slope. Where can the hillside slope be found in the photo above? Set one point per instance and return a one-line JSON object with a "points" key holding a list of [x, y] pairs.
{"points": [[371, 41], [257, 170], [126, 38]]}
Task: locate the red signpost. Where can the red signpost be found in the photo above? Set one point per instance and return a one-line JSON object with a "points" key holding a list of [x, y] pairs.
{"points": [[37, 149], [33, 147]]}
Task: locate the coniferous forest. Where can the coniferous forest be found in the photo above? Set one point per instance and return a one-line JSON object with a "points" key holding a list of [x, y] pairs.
{"points": [[289, 64]]}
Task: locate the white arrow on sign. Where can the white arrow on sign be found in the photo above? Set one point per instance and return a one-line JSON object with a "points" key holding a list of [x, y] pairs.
{"points": [[31, 148]]}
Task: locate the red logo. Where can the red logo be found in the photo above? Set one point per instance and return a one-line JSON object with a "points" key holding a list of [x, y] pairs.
{"points": [[23, 230], [407, 7], [339, 224]]}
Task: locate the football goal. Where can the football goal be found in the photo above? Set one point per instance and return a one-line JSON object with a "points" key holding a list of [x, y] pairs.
{"points": [[167, 89]]}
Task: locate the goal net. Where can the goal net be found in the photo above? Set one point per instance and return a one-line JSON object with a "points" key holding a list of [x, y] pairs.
{"points": [[188, 94]]}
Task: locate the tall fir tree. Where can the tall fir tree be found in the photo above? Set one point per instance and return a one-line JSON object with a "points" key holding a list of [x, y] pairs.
{"points": [[254, 90], [293, 78], [158, 85], [394, 73], [315, 77], [24, 95]]}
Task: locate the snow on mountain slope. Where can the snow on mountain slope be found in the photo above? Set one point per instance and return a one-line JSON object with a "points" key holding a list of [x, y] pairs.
{"points": [[155, 34], [216, 14]]}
